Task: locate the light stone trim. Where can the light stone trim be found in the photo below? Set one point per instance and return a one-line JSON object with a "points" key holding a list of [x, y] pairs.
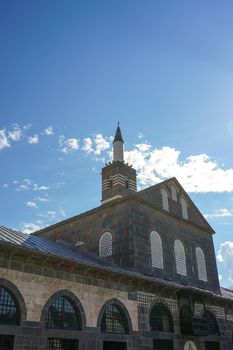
{"points": [[91, 297]]}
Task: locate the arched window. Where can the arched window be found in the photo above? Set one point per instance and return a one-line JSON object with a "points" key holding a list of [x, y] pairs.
{"points": [[164, 199], [174, 193], [201, 264], [63, 314], [180, 258], [156, 250], [184, 208], [105, 245], [9, 310], [161, 319], [211, 323], [114, 320]]}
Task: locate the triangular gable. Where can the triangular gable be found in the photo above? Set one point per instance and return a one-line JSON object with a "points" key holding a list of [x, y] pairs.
{"points": [[153, 195]]}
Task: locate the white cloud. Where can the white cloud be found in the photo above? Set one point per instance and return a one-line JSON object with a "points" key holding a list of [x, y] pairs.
{"points": [[51, 213], [219, 213], [48, 131], [66, 145], [101, 144], [40, 188], [140, 135], [5, 186], [28, 184], [16, 134], [3, 139], [31, 204], [33, 139], [87, 145], [42, 199], [225, 256], [219, 277], [196, 173], [30, 228]]}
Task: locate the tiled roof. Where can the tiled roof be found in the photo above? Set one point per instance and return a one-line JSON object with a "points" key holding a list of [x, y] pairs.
{"points": [[227, 293], [43, 245]]}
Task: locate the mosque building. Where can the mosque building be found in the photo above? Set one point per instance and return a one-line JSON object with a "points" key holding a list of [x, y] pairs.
{"points": [[138, 273]]}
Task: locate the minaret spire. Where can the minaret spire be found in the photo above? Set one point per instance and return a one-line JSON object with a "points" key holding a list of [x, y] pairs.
{"points": [[118, 146]]}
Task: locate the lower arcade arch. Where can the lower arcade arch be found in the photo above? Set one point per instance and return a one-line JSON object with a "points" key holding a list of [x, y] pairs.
{"points": [[161, 327], [12, 312], [63, 317], [115, 325]]}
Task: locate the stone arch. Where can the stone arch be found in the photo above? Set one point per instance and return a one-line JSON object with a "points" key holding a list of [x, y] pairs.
{"points": [[122, 306], [162, 305], [69, 295], [211, 320], [18, 298]]}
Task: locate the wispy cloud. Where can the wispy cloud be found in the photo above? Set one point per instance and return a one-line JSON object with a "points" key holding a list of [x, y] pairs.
{"points": [[29, 227], [48, 131], [42, 199], [69, 144], [28, 184], [31, 204], [219, 213], [4, 142], [33, 139]]}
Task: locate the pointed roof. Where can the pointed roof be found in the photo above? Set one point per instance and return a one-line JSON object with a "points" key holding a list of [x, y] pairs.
{"points": [[118, 135]]}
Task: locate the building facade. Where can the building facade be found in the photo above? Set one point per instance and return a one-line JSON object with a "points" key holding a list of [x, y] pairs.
{"points": [[138, 273]]}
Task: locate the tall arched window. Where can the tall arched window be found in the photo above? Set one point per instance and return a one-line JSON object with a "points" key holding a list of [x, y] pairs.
{"points": [[105, 245], [156, 250], [63, 314], [114, 320], [161, 319], [201, 264], [211, 323], [180, 258], [9, 310], [164, 199], [174, 193], [184, 208]]}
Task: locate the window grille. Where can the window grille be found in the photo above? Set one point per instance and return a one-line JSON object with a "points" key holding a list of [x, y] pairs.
{"points": [[63, 314], [180, 258], [62, 344], [9, 312], [156, 250], [164, 199], [212, 325], [105, 245], [174, 193], [161, 319], [201, 264], [114, 320], [199, 308], [145, 299], [184, 208]]}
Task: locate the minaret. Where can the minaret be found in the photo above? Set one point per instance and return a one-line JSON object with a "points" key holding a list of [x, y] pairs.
{"points": [[118, 178], [118, 146]]}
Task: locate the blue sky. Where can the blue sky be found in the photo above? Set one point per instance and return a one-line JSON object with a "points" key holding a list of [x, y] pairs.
{"points": [[70, 70]]}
